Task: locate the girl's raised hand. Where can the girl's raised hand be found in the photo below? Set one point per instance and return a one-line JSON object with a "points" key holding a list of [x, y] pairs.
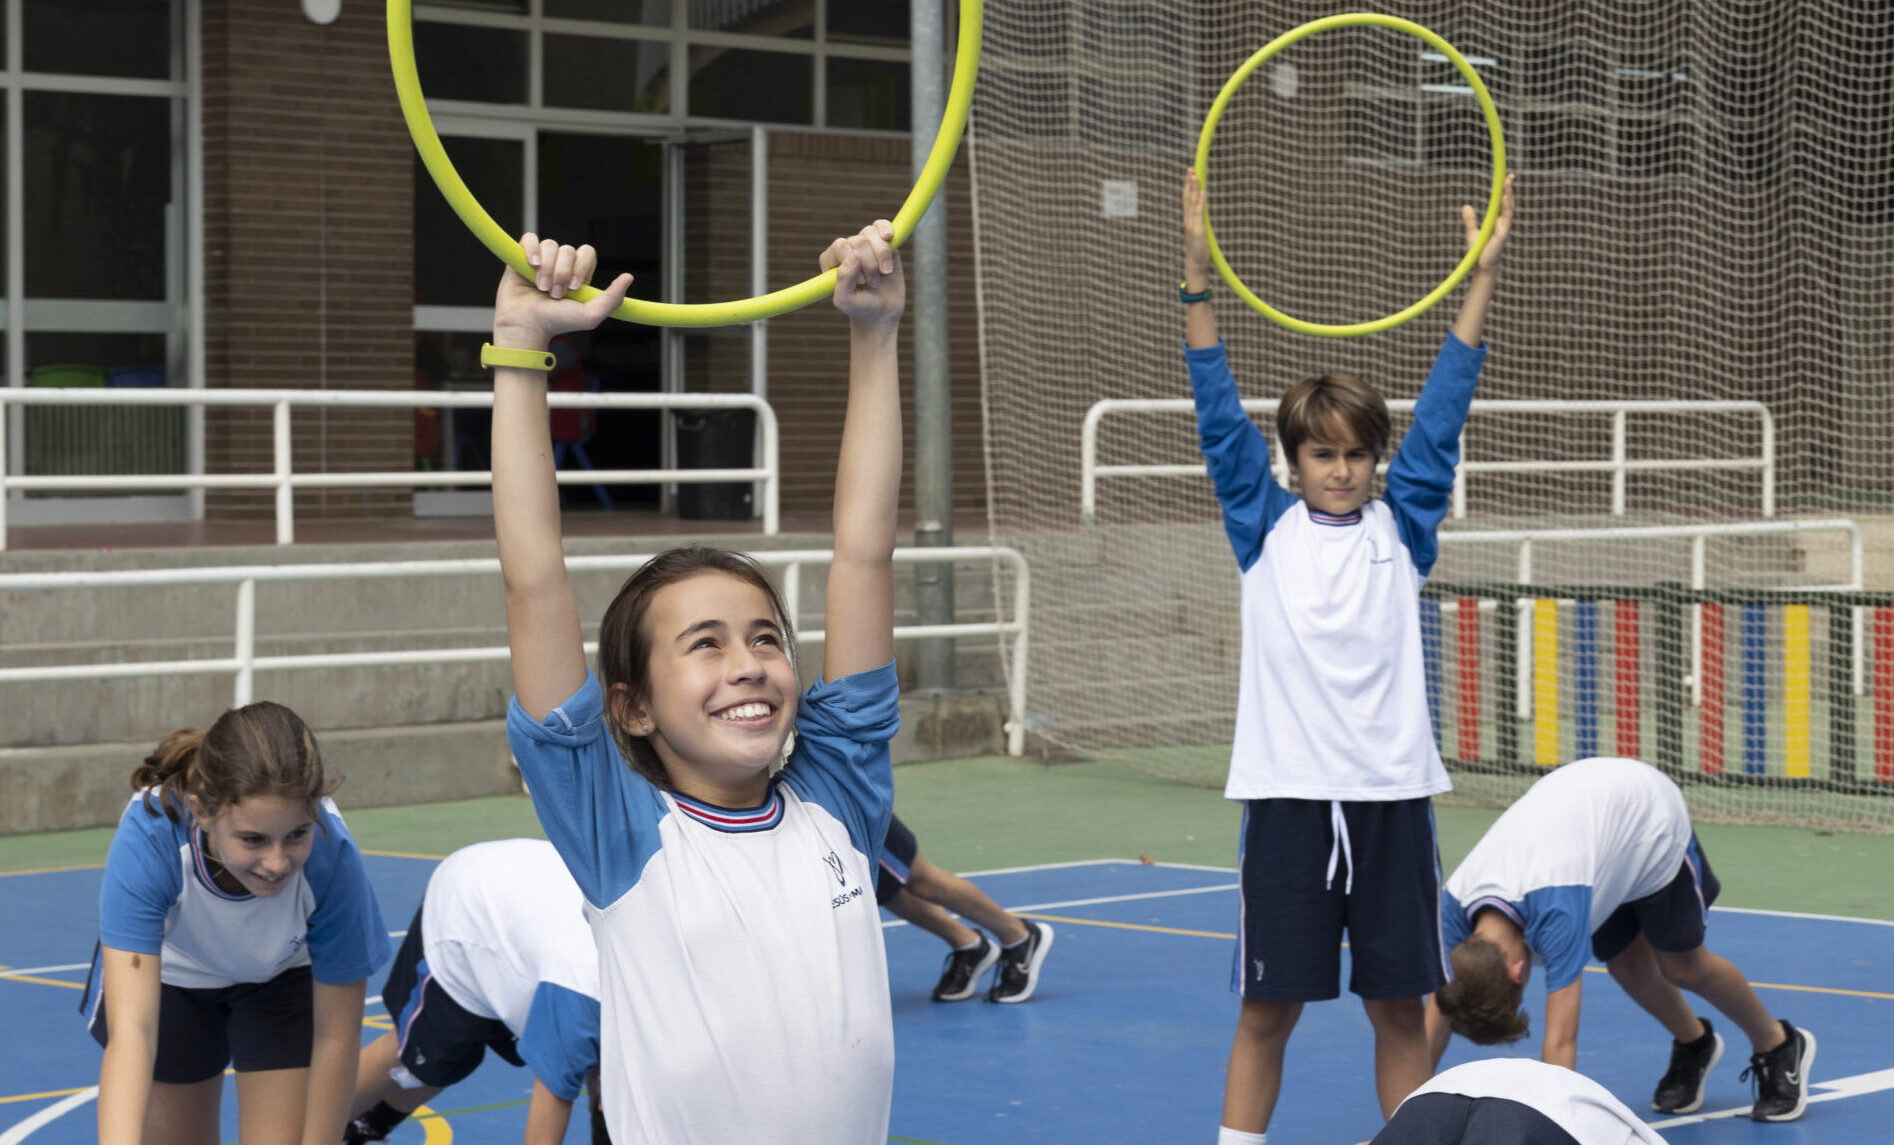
{"points": [[870, 286], [527, 315]]}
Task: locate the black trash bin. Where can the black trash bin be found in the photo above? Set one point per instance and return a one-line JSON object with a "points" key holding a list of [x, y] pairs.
{"points": [[715, 439]]}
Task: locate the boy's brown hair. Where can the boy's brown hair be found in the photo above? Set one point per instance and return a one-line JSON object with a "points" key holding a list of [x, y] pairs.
{"points": [[1333, 408], [1481, 1004]]}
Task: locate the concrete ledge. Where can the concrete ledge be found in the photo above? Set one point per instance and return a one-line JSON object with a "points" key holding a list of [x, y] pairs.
{"points": [[59, 788]]}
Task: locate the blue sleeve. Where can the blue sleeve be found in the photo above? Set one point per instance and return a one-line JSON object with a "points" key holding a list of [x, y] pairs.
{"points": [[1454, 926], [348, 940], [1558, 929], [1420, 478], [560, 1041], [841, 760], [1237, 454], [143, 878], [600, 815]]}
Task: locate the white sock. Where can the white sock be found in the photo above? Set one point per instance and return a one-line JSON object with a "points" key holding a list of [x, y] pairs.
{"points": [[974, 945], [1229, 1136]]}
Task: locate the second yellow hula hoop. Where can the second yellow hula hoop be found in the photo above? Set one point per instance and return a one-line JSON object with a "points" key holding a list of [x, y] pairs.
{"points": [[506, 247], [1326, 23]]}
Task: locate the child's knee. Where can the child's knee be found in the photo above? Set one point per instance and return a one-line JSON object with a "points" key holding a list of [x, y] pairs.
{"points": [[1264, 1023], [1396, 1015]]}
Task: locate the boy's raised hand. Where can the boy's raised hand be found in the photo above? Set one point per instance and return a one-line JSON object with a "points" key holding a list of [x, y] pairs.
{"points": [[527, 315], [1196, 244], [1470, 219], [870, 286]]}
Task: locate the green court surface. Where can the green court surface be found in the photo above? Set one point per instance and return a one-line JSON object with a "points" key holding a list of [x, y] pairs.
{"points": [[985, 814]]}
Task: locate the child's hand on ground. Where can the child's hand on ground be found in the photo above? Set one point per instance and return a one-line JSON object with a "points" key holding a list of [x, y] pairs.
{"points": [[870, 286], [528, 315]]}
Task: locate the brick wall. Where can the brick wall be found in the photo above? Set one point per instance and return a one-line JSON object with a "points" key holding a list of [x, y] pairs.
{"points": [[822, 186], [308, 245]]}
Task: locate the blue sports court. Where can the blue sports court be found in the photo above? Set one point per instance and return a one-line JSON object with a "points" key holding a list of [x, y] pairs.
{"points": [[1124, 1044]]}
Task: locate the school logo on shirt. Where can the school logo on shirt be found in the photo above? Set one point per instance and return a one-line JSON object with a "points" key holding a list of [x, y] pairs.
{"points": [[847, 896]]}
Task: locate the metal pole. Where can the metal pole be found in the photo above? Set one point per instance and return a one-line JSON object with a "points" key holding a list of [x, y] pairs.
{"points": [[933, 407]]}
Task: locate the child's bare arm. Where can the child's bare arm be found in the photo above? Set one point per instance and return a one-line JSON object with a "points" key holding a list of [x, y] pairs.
{"points": [[1561, 1025], [1200, 320], [542, 620], [1470, 325], [870, 287]]}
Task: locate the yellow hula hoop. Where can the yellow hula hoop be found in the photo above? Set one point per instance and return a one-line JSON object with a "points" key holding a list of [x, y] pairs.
{"points": [[507, 248], [1349, 20]]}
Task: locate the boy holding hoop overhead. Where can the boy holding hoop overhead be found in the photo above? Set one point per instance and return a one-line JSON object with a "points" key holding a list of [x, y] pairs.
{"points": [[1334, 756]]}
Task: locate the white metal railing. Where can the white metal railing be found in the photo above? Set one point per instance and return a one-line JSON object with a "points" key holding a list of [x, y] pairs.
{"points": [[1698, 536], [1619, 464], [285, 481], [244, 663]]}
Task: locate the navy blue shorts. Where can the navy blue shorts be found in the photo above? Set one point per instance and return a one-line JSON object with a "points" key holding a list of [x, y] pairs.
{"points": [[1672, 920], [898, 852], [253, 1026], [441, 1042], [1294, 915]]}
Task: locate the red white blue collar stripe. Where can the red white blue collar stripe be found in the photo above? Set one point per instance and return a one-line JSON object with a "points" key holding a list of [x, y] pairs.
{"points": [[739, 820], [1353, 518]]}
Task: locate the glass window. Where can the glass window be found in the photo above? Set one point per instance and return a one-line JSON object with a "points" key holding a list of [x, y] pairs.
{"points": [[869, 21], [459, 61], [794, 19], [869, 94], [103, 440], [650, 13], [98, 181], [97, 37], [451, 267], [608, 75], [769, 87]]}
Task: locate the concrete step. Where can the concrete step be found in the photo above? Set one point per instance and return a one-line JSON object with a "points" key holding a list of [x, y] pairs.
{"points": [[114, 625]]}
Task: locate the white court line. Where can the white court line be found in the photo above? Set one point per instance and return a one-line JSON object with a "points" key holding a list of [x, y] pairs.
{"points": [[1233, 870], [56, 1110], [1855, 1086], [1094, 901], [46, 969]]}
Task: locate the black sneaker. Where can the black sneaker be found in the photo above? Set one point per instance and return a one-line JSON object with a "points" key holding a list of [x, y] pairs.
{"points": [[960, 974], [1782, 1077], [1018, 975], [1681, 1090]]}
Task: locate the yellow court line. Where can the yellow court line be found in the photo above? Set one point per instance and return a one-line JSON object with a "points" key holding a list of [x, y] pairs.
{"points": [[54, 870], [434, 1127], [40, 1096], [405, 855], [42, 981], [1822, 990], [1127, 926], [378, 1022]]}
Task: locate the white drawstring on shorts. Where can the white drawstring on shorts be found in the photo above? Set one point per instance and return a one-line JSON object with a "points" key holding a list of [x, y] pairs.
{"points": [[1339, 851]]}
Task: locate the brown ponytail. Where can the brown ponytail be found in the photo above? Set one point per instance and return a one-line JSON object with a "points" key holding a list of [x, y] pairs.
{"points": [[260, 749]]}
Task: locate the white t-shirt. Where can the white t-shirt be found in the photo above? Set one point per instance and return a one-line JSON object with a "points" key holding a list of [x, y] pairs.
{"points": [[159, 897], [504, 932], [742, 976], [1584, 840], [1574, 1102], [1332, 691]]}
